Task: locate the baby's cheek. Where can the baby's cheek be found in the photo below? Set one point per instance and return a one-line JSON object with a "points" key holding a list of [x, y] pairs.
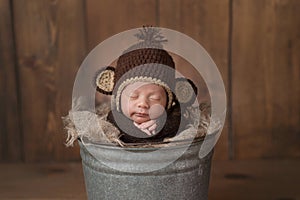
{"points": [[156, 111], [125, 107]]}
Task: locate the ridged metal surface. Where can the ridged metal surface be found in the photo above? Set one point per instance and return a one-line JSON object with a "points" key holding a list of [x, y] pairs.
{"points": [[187, 178]]}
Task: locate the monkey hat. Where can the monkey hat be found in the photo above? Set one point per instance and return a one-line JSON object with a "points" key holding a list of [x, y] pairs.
{"points": [[145, 61]]}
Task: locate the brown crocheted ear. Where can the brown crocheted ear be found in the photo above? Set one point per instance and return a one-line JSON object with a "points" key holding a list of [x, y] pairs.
{"points": [[105, 80], [185, 91]]}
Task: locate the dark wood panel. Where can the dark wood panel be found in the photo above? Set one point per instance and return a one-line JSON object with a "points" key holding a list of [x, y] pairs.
{"points": [[266, 78], [106, 18], [206, 21], [42, 181], [255, 179], [10, 133], [50, 41]]}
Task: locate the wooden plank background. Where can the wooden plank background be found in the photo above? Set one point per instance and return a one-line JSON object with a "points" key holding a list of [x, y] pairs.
{"points": [[266, 78], [255, 44], [10, 129]]}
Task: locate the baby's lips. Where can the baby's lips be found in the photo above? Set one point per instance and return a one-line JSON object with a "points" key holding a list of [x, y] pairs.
{"points": [[142, 114]]}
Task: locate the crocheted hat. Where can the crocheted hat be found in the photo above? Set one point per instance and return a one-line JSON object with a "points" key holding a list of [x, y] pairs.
{"points": [[145, 62]]}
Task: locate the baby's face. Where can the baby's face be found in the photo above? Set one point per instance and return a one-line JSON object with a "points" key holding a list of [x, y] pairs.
{"points": [[142, 101]]}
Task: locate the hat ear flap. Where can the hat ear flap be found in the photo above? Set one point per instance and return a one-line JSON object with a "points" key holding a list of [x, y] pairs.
{"points": [[104, 80], [185, 91]]}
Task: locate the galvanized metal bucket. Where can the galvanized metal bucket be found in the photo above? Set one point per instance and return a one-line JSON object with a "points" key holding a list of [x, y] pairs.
{"points": [[125, 173]]}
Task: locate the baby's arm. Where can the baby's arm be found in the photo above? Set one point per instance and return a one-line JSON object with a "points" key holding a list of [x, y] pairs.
{"points": [[147, 127]]}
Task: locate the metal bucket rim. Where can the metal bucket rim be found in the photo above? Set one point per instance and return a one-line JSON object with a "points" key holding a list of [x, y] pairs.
{"points": [[179, 144]]}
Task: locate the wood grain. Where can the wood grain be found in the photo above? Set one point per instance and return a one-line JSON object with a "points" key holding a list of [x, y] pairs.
{"points": [[50, 43], [266, 78], [42, 181], [207, 22], [10, 130], [255, 179], [247, 180], [106, 18]]}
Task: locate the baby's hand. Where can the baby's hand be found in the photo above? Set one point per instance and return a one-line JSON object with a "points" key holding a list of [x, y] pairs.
{"points": [[147, 127]]}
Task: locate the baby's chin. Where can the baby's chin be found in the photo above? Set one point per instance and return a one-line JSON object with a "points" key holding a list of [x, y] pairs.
{"points": [[140, 120]]}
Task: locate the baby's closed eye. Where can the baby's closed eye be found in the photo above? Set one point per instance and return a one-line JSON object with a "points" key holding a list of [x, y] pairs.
{"points": [[133, 95], [155, 97]]}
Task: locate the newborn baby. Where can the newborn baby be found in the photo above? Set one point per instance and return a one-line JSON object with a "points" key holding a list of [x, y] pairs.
{"points": [[147, 99]]}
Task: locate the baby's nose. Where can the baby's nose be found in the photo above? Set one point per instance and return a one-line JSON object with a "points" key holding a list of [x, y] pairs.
{"points": [[143, 103]]}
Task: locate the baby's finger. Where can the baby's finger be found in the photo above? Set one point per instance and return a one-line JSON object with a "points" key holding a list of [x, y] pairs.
{"points": [[147, 124], [153, 132], [146, 131], [152, 127], [149, 131]]}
